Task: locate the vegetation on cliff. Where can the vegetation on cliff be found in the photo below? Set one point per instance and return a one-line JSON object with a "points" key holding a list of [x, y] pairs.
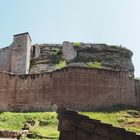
{"points": [[87, 55], [61, 64], [95, 64]]}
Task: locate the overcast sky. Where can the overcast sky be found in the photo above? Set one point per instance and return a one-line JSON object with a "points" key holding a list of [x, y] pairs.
{"points": [[53, 21]]}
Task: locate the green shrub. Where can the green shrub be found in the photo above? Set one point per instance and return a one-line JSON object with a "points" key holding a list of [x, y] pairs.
{"points": [[76, 44], [94, 64], [61, 64]]}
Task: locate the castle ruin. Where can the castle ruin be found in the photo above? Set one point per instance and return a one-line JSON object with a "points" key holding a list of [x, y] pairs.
{"points": [[16, 57], [21, 57], [31, 81]]}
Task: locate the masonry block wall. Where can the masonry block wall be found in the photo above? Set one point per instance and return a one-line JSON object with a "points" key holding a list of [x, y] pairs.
{"points": [[5, 59], [20, 54], [75, 88], [16, 57], [137, 87], [73, 126]]}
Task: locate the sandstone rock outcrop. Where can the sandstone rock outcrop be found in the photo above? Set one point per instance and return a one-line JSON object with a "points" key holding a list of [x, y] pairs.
{"points": [[81, 54], [114, 57]]}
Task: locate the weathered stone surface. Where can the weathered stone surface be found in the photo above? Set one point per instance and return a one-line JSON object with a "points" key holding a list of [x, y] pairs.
{"points": [[87, 129], [13, 133], [20, 53], [35, 51], [5, 59], [16, 57], [40, 68], [75, 88], [113, 57], [30, 124], [137, 91], [69, 53]]}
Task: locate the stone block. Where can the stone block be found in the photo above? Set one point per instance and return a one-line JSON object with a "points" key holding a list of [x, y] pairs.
{"points": [[68, 136], [102, 129], [69, 53], [67, 125], [87, 126]]}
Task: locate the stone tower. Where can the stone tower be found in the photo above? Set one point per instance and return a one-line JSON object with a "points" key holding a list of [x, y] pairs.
{"points": [[20, 53]]}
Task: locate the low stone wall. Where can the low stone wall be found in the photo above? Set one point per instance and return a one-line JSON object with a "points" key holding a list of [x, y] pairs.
{"points": [[73, 126], [12, 134]]}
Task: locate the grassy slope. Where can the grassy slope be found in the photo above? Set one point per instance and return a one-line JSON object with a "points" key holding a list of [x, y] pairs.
{"points": [[129, 119], [15, 121]]}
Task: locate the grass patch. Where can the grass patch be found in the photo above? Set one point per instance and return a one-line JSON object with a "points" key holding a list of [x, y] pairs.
{"points": [[45, 131], [111, 118], [119, 117], [127, 118], [15, 121]]}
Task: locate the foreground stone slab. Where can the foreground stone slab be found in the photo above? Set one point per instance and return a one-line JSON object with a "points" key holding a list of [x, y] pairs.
{"points": [[73, 126], [7, 139], [8, 134]]}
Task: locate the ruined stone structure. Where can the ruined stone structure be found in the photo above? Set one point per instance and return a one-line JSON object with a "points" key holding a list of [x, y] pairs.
{"points": [[22, 57], [16, 57], [13, 134], [73, 126], [77, 86]]}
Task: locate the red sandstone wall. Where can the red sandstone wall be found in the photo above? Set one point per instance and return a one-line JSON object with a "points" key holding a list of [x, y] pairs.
{"points": [[75, 88]]}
